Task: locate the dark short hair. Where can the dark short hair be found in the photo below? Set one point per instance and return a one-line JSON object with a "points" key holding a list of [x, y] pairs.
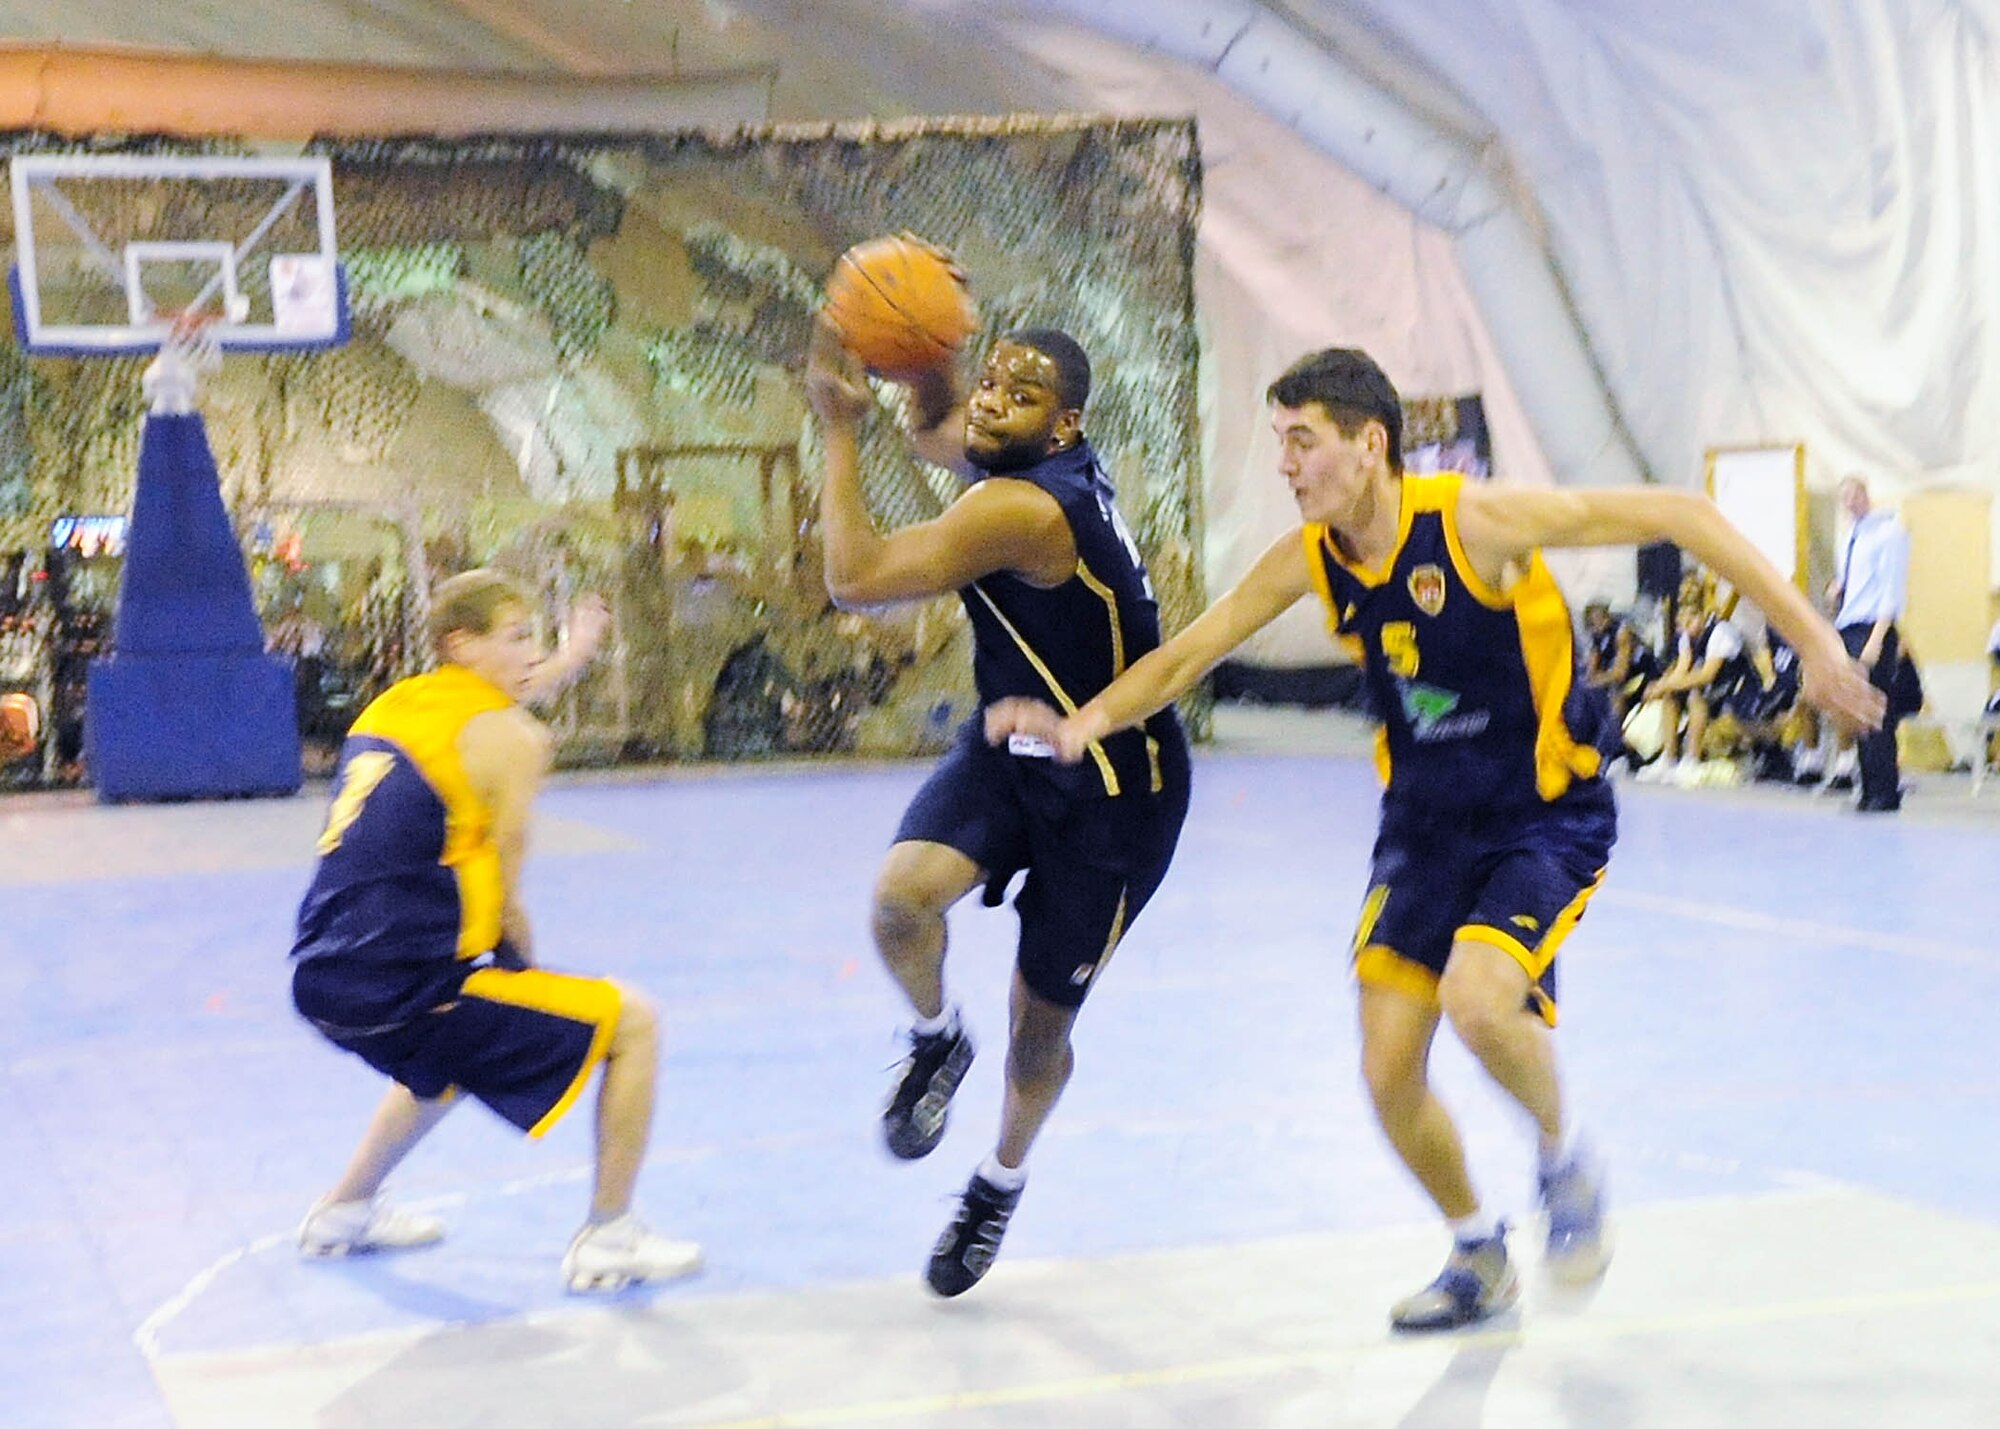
{"points": [[471, 602], [1352, 389], [1072, 363]]}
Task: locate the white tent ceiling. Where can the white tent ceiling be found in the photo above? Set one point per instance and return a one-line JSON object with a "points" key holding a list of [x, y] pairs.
{"points": [[1642, 229]]}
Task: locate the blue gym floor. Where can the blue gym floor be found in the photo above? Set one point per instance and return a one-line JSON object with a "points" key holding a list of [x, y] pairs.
{"points": [[1776, 1024]]}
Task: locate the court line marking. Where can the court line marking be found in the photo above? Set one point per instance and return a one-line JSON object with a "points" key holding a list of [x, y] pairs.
{"points": [[1559, 1335], [147, 1336], [1750, 921]]}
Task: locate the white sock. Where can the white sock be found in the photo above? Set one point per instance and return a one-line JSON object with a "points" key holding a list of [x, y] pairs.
{"points": [[1479, 1226], [1554, 1158], [932, 1026], [1007, 1178]]}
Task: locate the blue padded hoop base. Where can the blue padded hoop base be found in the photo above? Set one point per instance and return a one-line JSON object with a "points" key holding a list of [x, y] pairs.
{"points": [[188, 705]]}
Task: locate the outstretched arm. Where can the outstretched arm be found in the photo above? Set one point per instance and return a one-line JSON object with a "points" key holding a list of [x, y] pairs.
{"points": [[1503, 524], [583, 632], [1280, 577], [997, 525]]}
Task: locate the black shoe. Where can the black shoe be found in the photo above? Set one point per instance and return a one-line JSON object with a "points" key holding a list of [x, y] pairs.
{"points": [[913, 1122], [1879, 806], [964, 1253]]}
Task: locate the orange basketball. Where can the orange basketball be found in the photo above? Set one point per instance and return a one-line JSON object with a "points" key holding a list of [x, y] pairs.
{"points": [[900, 305], [20, 725]]}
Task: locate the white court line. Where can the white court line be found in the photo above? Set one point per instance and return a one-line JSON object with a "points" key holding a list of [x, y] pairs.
{"points": [[1802, 930], [1545, 1334], [1548, 1340], [147, 1336]]}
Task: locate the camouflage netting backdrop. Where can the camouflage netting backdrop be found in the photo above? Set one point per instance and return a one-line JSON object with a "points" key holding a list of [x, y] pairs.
{"points": [[580, 361]]}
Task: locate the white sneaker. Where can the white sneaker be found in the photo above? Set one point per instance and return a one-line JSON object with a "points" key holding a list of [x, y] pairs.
{"points": [[336, 1228], [1687, 774], [1660, 771], [623, 1252]]}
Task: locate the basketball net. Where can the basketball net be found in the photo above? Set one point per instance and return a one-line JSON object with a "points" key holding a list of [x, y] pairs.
{"points": [[189, 352]]}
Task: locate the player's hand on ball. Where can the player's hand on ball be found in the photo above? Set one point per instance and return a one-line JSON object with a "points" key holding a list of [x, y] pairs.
{"points": [[836, 386]]}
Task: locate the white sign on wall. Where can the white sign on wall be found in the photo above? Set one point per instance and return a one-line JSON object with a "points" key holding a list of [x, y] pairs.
{"points": [[1762, 490]]}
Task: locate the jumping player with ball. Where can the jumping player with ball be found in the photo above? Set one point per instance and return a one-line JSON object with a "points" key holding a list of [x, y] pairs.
{"points": [[1059, 603]]}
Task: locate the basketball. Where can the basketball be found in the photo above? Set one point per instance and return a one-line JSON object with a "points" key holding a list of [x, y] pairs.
{"points": [[900, 305], [20, 725]]}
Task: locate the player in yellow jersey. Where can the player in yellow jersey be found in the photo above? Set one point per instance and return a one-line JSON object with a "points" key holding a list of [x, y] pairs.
{"points": [[414, 952], [1496, 818]]}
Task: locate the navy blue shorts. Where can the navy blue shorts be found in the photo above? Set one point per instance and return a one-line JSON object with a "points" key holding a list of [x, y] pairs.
{"points": [[1092, 862], [522, 1041], [1517, 879]]}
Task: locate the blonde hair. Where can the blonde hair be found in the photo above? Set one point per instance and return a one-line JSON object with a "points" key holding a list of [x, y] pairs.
{"points": [[471, 602]]}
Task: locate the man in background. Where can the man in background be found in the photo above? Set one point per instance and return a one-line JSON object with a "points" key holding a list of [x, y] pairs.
{"points": [[1869, 597]]}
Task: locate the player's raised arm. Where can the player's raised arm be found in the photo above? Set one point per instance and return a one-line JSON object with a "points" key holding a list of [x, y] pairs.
{"points": [[1279, 579], [997, 525], [1503, 524], [937, 420], [583, 632]]}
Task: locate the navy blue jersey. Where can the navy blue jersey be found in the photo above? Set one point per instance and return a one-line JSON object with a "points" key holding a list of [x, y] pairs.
{"points": [[1604, 644], [408, 884], [1737, 670], [1066, 643], [1477, 690]]}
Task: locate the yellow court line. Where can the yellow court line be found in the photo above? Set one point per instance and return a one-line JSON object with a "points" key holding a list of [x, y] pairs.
{"points": [[1262, 1366]]}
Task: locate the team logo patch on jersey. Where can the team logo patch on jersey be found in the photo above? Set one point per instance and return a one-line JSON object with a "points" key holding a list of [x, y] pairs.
{"points": [[1434, 715], [1427, 588]]}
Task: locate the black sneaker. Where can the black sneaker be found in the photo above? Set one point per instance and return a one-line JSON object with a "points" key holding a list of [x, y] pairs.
{"points": [[964, 1253], [913, 1122]]}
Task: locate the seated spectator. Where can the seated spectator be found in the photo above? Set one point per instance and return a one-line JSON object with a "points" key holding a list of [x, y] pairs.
{"points": [[1710, 669], [1993, 654], [1616, 660], [1765, 721]]}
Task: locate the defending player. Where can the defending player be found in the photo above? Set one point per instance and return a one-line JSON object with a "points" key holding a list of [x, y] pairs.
{"points": [[1059, 602], [414, 953], [1496, 822]]}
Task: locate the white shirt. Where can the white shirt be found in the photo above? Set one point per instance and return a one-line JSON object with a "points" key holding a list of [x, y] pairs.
{"points": [[1724, 642], [1875, 571]]}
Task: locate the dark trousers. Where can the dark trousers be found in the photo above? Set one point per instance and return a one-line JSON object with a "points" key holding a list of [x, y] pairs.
{"points": [[1880, 782]]}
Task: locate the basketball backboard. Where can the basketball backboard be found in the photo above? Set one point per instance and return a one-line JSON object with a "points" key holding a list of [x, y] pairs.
{"points": [[110, 248]]}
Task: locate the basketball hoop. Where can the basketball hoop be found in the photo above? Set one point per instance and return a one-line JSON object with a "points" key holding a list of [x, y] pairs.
{"points": [[187, 354]]}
